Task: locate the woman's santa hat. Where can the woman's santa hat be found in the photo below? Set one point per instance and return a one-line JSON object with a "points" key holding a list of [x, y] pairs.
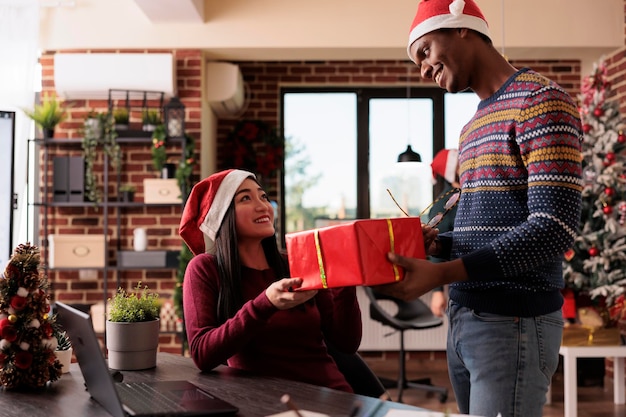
{"points": [[445, 165], [206, 207], [446, 14]]}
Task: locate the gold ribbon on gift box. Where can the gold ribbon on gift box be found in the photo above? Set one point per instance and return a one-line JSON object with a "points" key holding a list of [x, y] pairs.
{"points": [[396, 273], [320, 261]]}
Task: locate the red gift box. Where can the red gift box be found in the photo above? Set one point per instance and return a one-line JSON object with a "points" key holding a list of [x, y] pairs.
{"points": [[353, 253]]}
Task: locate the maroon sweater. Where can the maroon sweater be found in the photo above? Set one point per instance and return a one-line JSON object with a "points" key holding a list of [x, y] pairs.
{"points": [[262, 339]]}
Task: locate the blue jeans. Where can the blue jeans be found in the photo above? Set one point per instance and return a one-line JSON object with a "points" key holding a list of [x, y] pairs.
{"points": [[500, 364]]}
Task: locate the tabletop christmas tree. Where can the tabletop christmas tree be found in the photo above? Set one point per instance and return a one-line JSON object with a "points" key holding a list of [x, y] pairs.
{"points": [[595, 267], [27, 329]]}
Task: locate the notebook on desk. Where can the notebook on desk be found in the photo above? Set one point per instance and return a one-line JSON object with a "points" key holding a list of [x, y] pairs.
{"points": [[122, 399]]}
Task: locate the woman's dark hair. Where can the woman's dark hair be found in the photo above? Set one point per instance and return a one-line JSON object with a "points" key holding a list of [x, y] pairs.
{"points": [[230, 298]]}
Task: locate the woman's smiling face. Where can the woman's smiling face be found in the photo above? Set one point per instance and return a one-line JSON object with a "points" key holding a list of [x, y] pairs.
{"points": [[254, 215]]}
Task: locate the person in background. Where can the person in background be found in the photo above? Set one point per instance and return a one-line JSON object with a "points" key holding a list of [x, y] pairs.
{"points": [[240, 306], [445, 168], [520, 204]]}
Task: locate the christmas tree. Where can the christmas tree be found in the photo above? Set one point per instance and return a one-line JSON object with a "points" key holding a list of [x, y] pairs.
{"points": [[595, 267], [27, 329]]}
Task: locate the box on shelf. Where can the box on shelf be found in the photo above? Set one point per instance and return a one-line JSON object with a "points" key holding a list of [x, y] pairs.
{"points": [[353, 253], [148, 258], [161, 191], [76, 251]]}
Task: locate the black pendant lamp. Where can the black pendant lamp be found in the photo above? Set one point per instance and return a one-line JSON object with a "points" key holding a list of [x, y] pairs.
{"points": [[409, 155]]}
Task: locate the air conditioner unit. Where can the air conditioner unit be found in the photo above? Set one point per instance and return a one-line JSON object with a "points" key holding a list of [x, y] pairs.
{"points": [[226, 90], [91, 75]]}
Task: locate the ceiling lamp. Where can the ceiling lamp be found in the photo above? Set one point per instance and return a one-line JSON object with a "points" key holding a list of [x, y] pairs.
{"points": [[409, 155]]}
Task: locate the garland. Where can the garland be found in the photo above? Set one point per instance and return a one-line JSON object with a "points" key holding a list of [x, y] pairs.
{"points": [[99, 129], [159, 151]]}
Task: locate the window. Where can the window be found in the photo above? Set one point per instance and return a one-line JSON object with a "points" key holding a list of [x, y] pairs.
{"points": [[342, 145]]}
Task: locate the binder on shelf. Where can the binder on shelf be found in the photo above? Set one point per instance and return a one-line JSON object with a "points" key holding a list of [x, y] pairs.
{"points": [[76, 178], [68, 179], [60, 182]]}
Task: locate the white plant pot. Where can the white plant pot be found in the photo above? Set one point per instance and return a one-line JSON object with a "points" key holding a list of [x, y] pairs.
{"points": [[132, 346], [65, 359]]}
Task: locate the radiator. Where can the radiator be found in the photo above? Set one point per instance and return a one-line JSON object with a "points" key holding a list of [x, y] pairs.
{"points": [[377, 337]]}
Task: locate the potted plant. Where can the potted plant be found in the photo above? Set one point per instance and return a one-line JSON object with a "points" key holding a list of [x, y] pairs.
{"points": [[150, 119], [121, 117], [47, 115], [63, 352], [127, 193], [132, 329]]}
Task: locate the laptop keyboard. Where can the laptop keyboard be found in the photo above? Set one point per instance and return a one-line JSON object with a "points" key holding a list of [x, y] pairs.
{"points": [[144, 399]]}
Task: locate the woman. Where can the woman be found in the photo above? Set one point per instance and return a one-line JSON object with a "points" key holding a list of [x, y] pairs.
{"points": [[240, 308]]}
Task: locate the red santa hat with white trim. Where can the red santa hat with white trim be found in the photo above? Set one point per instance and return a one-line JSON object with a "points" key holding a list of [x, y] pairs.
{"points": [[446, 14], [206, 207], [445, 165]]}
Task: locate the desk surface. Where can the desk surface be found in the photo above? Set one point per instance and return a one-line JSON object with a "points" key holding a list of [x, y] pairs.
{"points": [[255, 396]]}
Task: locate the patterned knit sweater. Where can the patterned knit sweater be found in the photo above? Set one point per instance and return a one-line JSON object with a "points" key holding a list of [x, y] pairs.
{"points": [[520, 207]]}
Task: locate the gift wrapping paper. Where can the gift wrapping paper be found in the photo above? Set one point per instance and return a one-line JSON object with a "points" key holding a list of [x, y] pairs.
{"points": [[354, 253]]}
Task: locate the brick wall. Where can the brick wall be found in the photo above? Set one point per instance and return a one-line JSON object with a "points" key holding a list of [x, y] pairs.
{"points": [[160, 222], [265, 80]]}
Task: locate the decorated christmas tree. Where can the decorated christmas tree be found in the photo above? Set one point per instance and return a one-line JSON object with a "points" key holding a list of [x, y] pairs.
{"points": [[595, 267], [27, 329]]}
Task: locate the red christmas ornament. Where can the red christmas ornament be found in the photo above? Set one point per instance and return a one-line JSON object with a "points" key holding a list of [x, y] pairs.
{"points": [[608, 210], [598, 112], [610, 156], [23, 360], [594, 251], [18, 302], [609, 191], [587, 128], [621, 138]]}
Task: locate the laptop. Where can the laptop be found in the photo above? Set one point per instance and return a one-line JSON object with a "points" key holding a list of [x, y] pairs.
{"points": [[123, 399]]}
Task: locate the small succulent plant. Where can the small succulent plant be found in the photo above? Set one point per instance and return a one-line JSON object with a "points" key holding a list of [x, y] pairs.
{"points": [[63, 340]]}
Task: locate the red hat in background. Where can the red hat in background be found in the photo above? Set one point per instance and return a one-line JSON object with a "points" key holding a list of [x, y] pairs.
{"points": [[445, 165], [206, 207], [441, 14]]}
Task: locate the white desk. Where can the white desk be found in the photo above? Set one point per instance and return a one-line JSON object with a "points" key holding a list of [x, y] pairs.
{"points": [[570, 383]]}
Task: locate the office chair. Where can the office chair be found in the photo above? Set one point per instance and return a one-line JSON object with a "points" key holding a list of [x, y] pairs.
{"points": [[413, 315], [358, 374]]}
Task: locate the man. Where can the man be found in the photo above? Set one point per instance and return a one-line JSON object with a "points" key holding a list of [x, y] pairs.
{"points": [[520, 174]]}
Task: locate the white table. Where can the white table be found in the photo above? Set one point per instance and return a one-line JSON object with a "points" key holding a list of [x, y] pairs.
{"points": [[570, 383]]}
